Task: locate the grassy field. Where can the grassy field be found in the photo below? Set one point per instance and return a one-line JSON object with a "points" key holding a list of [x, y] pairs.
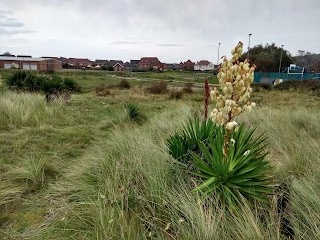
{"points": [[83, 170]]}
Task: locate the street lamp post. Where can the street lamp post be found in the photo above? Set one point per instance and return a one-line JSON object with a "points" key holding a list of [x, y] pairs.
{"points": [[218, 56], [280, 59], [249, 46]]}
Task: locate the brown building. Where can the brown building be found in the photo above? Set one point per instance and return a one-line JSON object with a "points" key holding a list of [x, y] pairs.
{"points": [[118, 67], [28, 63], [79, 62], [151, 62], [188, 66]]}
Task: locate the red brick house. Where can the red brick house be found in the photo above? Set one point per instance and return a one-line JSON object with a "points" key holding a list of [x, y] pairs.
{"points": [[118, 67], [188, 65], [151, 62], [79, 62]]}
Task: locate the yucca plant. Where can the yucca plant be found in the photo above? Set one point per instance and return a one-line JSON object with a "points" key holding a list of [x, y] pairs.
{"points": [[244, 176], [186, 140], [134, 113]]}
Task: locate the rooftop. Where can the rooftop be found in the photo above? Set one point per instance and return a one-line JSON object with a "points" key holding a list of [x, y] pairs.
{"points": [[5, 58]]}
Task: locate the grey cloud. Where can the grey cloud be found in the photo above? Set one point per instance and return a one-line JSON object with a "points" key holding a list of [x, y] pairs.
{"points": [[124, 42], [4, 31], [169, 45], [128, 43], [187, 28], [6, 12], [9, 21], [11, 24]]}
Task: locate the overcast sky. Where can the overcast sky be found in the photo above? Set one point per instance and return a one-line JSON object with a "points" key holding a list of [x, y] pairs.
{"points": [[172, 30]]}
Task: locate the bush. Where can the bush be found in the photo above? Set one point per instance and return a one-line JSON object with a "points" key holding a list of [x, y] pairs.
{"points": [[158, 88], [259, 86], [124, 84], [103, 90], [304, 85], [107, 68], [134, 112], [243, 176], [176, 94], [24, 81], [71, 85], [54, 85], [183, 142], [48, 71], [188, 88], [30, 82], [57, 84], [138, 70]]}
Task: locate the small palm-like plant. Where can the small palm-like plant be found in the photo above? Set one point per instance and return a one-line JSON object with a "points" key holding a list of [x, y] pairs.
{"points": [[186, 140], [244, 176], [134, 112]]}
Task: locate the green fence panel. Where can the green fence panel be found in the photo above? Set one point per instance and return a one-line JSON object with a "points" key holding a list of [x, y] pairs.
{"points": [[271, 76]]}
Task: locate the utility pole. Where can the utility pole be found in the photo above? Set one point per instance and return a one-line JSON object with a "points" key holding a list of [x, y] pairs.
{"points": [[218, 54], [280, 58], [249, 47]]}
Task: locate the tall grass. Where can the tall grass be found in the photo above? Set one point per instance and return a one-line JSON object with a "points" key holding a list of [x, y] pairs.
{"points": [[21, 110], [293, 136], [128, 187]]}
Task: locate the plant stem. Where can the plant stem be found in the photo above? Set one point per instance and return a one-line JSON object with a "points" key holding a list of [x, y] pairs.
{"points": [[206, 99], [226, 138]]}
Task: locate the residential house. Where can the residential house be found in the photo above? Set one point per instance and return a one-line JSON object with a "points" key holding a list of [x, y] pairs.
{"points": [[204, 65], [79, 62], [188, 65], [118, 67], [151, 62], [133, 64], [173, 66], [114, 62], [102, 62]]}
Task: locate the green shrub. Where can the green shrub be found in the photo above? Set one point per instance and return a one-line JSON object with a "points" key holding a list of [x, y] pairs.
{"points": [[158, 88], [185, 141], [24, 81], [71, 85], [175, 94], [30, 82], [48, 71], [312, 86], [188, 88], [124, 84], [103, 90], [54, 85], [258, 86], [134, 113], [243, 176]]}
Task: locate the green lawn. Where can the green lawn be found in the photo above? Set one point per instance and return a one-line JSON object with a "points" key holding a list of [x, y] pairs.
{"points": [[83, 170]]}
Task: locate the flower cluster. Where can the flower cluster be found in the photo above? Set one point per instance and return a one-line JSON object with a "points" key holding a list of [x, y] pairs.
{"points": [[233, 97]]}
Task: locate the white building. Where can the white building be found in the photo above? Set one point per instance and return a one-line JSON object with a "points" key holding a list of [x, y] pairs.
{"points": [[204, 65]]}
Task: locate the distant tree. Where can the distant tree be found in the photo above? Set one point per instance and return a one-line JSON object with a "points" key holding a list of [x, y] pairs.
{"points": [[267, 58], [107, 68], [7, 54], [300, 52]]}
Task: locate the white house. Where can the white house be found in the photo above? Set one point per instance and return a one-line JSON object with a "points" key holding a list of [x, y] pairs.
{"points": [[204, 65]]}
